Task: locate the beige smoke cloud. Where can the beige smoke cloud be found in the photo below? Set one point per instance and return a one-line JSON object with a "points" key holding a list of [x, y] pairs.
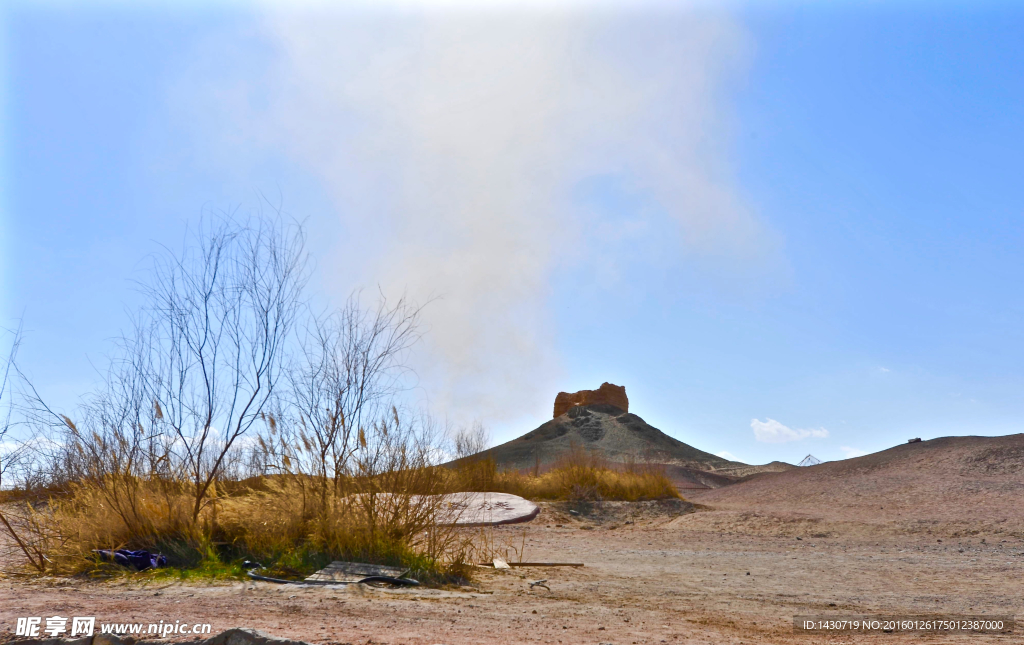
{"points": [[451, 141]]}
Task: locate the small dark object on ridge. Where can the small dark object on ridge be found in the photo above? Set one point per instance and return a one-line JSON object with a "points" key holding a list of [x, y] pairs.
{"points": [[138, 560], [915, 440]]}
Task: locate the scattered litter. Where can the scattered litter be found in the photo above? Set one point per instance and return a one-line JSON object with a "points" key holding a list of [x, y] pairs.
{"points": [[138, 560], [540, 583], [499, 563]]}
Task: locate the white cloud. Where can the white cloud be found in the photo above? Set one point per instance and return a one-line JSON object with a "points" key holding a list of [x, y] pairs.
{"points": [[725, 454], [8, 447], [884, 370], [850, 453], [771, 431]]}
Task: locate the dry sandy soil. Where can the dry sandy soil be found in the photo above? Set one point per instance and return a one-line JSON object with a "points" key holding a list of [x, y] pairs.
{"points": [[950, 484], [737, 570]]}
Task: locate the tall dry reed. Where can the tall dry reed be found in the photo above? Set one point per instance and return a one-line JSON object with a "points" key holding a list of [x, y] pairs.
{"points": [[577, 474]]}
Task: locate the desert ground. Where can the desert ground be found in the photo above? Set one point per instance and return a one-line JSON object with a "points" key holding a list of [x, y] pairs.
{"points": [[734, 566], [702, 577]]}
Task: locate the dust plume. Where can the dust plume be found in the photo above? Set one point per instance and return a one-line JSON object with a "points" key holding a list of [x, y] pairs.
{"points": [[453, 143]]}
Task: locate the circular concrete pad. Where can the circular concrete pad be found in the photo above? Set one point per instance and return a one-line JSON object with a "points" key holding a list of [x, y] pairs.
{"points": [[456, 509], [487, 509]]}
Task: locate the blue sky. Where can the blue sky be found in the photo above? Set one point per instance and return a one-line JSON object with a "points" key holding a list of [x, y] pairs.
{"points": [[766, 222]]}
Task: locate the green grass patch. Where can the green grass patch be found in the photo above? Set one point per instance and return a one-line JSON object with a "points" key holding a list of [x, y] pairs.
{"points": [[209, 563], [205, 571]]}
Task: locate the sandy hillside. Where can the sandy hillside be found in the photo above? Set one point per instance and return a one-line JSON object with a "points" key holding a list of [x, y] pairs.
{"points": [[966, 482]]}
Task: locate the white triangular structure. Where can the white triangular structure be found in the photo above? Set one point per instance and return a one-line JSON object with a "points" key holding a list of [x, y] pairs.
{"points": [[809, 460]]}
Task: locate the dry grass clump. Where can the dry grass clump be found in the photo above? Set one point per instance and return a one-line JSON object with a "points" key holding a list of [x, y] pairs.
{"points": [[578, 475], [279, 521], [296, 523]]}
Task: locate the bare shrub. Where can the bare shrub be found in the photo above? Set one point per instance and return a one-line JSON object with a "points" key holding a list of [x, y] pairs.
{"points": [[360, 465], [350, 369], [16, 518], [9, 451], [468, 441], [212, 340], [384, 510]]}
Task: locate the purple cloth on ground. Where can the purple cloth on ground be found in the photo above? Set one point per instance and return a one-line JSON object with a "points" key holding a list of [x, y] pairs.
{"points": [[139, 560]]}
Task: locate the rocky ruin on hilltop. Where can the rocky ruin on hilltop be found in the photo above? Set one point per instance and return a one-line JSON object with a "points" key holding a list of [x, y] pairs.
{"points": [[607, 394]]}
